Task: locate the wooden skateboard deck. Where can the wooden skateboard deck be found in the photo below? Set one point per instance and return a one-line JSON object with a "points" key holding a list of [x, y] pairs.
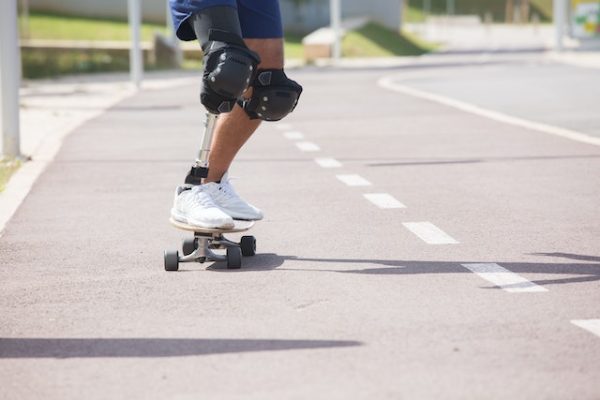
{"points": [[238, 226]]}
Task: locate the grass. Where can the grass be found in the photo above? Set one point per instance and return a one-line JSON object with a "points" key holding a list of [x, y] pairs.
{"points": [[497, 8], [62, 27], [7, 168], [48, 63], [293, 46], [373, 40], [370, 41]]}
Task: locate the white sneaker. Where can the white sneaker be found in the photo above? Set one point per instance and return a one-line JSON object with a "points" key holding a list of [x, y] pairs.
{"points": [[230, 202], [194, 206]]}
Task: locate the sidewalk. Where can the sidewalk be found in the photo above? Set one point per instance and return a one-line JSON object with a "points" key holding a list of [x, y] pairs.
{"points": [[52, 109]]}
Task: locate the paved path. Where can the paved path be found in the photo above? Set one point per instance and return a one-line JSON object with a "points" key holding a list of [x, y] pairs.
{"points": [[466, 287]]}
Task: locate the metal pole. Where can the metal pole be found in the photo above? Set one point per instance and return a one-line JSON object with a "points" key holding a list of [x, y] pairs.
{"points": [[335, 11], [559, 23], [10, 78], [25, 19], [136, 66], [173, 37], [426, 7], [450, 7]]}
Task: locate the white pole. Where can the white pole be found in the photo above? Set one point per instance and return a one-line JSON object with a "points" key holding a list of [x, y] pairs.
{"points": [[10, 78], [426, 7], [450, 7], [335, 11], [173, 37], [559, 23], [136, 66]]}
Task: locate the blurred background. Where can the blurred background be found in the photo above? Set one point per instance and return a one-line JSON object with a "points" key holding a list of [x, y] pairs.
{"points": [[87, 39], [81, 36]]}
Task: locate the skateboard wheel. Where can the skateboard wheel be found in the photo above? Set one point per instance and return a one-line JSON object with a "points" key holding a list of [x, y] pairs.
{"points": [[171, 260], [189, 246], [248, 246], [234, 257]]}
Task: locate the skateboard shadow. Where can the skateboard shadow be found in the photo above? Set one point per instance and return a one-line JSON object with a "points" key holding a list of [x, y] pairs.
{"points": [[578, 271], [154, 347]]}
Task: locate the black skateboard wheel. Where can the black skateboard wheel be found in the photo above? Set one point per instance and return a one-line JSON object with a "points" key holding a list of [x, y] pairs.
{"points": [[171, 260], [234, 257], [248, 246], [189, 246]]}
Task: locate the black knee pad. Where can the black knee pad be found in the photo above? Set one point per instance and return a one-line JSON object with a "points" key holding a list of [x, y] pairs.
{"points": [[229, 67], [274, 95]]}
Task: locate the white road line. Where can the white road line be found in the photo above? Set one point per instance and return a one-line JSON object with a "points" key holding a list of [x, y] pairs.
{"points": [[504, 278], [353, 180], [590, 325], [383, 200], [388, 83], [328, 162], [429, 233], [308, 146], [283, 127], [293, 135]]}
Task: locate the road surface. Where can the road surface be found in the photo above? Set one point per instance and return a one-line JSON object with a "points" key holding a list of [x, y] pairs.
{"points": [[410, 250]]}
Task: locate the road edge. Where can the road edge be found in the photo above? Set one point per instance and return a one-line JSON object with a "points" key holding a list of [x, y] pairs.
{"points": [[388, 83]]}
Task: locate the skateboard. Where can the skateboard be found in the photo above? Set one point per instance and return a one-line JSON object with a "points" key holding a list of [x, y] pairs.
{"points": [[201, 247]]}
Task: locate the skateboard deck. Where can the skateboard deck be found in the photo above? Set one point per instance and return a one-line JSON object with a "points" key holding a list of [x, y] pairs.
{"points": [[238, 226]]}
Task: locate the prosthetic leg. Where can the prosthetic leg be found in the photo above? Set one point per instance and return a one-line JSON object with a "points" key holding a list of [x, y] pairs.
{"points": [[202, 246]]}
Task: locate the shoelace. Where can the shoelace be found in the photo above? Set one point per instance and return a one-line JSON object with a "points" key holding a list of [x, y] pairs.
{"points": [[226, 191], [200, 198]]}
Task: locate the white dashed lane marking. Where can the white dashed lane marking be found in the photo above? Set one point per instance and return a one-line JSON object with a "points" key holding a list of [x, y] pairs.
{"points": [[590, 325], [503, 278], [308, 146], [383, 200], [353, 180], [293, 135], [429, 233], [328, 162]]}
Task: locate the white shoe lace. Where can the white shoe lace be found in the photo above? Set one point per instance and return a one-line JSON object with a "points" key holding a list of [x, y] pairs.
{"points": [[223, 193], [200, 198]]}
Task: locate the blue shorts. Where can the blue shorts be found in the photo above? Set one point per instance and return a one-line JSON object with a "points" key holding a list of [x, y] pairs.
{"points": [[259, 19]]}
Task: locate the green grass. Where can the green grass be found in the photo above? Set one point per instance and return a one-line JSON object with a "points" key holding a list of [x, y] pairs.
{"points": [[370, 41], [61, 27], [293, 46], [48, 63], [7, 168], [544, 7], [373, 40], [497, 8]]}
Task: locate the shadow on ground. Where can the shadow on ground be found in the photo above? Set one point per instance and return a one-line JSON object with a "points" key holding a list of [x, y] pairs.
{"points": [[146, 347], [580, 272]]}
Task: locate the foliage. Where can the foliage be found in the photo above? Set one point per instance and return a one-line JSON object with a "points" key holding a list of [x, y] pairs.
{"points": [[374, 40], [496, 8], [7, 168]]}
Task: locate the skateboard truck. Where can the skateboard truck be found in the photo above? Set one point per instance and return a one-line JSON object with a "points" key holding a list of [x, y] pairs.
{"points": [[201, 247]]}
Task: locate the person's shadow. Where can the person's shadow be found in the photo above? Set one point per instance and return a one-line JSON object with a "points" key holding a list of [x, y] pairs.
{"points": [[585, 271], [150, 347]]}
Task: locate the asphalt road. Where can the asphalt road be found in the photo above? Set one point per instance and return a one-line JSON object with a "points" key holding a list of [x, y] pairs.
{"points": [[466, 289]]}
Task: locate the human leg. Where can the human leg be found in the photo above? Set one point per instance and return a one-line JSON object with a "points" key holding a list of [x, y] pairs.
{"points": [[235, 128]]}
